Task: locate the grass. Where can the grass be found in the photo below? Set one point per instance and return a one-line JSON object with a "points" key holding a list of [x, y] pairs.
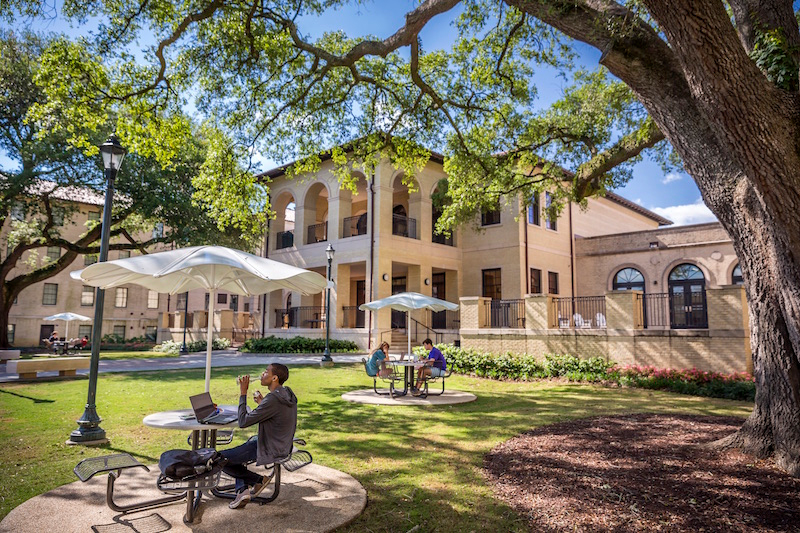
{"points": [[419, 465]]}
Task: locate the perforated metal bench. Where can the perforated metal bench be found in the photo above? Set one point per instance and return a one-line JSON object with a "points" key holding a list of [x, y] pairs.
{"points": [[296, 460], [431, 379], [390, 380], [114, 465]]}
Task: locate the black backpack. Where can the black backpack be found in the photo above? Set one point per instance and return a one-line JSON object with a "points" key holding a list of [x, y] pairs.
{"points": [[182, 464]]}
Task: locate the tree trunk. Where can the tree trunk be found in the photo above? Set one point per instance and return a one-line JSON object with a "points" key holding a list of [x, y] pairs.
{"points": [[4, 310]]}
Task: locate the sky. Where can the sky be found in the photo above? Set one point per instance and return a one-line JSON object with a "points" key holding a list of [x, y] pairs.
{"points": [[674, 195]]}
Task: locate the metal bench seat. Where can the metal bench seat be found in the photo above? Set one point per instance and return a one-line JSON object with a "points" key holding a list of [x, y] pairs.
{"points": [[390, 379], [431, 379], [88, 468]]}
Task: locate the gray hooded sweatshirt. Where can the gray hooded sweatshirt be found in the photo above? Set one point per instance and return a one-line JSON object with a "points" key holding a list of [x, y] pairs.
{"points": [[276, 417]]}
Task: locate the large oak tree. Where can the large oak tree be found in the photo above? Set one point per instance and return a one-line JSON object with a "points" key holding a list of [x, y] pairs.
{"points": [[718, 81]]}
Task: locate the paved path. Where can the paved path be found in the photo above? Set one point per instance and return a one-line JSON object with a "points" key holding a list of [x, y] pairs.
{"points": [[220, 358]]}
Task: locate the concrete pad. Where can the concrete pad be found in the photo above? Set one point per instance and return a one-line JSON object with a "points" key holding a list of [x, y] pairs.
{"points": [[314, 498], [368, 396]]}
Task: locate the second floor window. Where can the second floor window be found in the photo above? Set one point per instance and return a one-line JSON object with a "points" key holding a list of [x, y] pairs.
{"points": [[490, 217], [152, 300], [53, 253], [549, 223], [89, 259], [552, 282], [491, 284], [50, 294], [87, 295], [121, 299], [124, 254], [536, 281], [534, 209]]}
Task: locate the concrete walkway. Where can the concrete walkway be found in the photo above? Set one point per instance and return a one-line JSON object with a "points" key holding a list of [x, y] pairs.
{"points": [[368, 396], [314, 498], [220, 358]]}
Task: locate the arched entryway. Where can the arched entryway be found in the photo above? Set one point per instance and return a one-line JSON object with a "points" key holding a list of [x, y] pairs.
{"points": [[687, 297]]}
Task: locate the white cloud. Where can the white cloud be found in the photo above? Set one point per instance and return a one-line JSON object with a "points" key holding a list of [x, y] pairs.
{"points": [[672, 176], [638, 201], [695, 213]]}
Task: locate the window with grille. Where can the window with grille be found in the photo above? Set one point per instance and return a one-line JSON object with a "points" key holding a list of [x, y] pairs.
{"points": [[50, 294], [534, 209], [150, 333], [491, 284], [85, 330], [536, 281], [121, 299], [119, 331], [152, 300], [94, 215], [490, 217], [53, 253], [181, 300], [124, 254], [222, 298], [552, 282], [87, 295]]}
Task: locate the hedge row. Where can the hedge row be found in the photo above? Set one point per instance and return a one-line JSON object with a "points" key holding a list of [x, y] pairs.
{"points": [[737, 386], [274, 344]]}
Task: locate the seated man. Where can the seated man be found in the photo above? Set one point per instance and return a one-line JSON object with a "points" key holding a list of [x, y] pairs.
{"points": [[276, 416], [436, 369], [51, 339], [376, 364]]}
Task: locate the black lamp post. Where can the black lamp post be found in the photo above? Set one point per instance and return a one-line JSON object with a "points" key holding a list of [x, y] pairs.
{"points": [[184, 349], [89, 430], [326, 357]]}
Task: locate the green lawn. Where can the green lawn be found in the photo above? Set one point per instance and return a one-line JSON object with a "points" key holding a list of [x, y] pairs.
{"points": [[419, 465]]}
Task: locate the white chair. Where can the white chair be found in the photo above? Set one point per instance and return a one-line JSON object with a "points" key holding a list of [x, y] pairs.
{"points": [[578, 319], [600, 320]]}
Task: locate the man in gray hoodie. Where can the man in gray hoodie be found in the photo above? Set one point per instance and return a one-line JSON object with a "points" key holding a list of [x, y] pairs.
{"points": [[276, 416]]}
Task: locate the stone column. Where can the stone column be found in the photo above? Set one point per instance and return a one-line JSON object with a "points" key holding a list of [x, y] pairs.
{"points": [[473, 312], [536, 311], [623, 310]]}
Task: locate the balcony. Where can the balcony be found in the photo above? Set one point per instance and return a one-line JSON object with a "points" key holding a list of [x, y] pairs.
{"points": [[353, 226], [318, 233], [300, 317], [581, 312], [442, 239], [404, 226], [352, 317], [284, 239], [505, 314]]}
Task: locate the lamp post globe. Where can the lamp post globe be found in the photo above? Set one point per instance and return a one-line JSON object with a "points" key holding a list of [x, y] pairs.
{"points": [[326, 357], [89, 430]]}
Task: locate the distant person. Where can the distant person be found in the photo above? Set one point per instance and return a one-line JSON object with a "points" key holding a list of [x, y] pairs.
{"points": [[79, 343], [376, 364], [276, 416], [53, 338], [436, 368]]}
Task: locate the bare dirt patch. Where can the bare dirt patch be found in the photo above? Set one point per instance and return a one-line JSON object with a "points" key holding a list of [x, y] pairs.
{"points": [[641, 472]]}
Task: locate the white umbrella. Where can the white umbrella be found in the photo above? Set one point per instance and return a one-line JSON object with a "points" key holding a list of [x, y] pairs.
{"points": [[407, 301], [67, 318], [209, 268]]}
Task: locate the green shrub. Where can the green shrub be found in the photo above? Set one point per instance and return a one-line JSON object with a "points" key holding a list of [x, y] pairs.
{"points": [[196, 346], [274, 344], [737, 386]]}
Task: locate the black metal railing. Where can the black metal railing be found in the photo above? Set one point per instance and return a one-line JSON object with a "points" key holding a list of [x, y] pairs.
{"points": [[440, 238], [580, 312], [318, 233], [353, 226], [404, 226], [300, 317], [284, 239], [684, 310], [652, 310], [504, 314], [444, 319], [353, 317], [420, 331]]}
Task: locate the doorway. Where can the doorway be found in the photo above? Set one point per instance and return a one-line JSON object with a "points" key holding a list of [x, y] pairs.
{"points": [[687, 298]]}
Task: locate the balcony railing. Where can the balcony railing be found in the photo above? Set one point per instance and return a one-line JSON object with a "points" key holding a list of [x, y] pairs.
{"points": [[284, 239], [504, 314], [353, 317], [442, 239], [580, 312], [353, 226], [318, 233], [686, 310], [445, 320], [404, 226], [300, 317]]}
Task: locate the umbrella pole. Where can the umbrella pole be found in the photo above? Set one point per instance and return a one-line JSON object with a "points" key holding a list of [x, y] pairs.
{"points": [[408, 333], [210, 336]]}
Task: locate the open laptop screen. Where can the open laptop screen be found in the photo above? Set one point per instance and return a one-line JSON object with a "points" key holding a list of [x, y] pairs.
{"points": [[202, 405]]}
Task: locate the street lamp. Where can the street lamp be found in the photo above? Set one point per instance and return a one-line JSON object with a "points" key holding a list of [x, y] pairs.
{"points": [[326, 357], [89, 430], [184, 349]]}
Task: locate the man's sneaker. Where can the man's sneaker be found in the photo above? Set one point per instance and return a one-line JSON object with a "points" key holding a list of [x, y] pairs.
{"points": [[241, 500], [258, 487], [416, 392]]}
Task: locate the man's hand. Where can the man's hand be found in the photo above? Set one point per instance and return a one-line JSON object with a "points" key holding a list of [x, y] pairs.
{"points": [[244, 384], [258, 397]]}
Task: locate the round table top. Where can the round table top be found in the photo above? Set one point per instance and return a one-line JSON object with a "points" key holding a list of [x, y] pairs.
{"points": [[409, 363], [173, 420]]}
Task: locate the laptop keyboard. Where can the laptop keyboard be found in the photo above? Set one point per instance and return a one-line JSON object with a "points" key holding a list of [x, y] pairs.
{"points": [[220, 418]]}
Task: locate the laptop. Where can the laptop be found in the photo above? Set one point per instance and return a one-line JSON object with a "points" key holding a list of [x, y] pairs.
{"points": [[206, 413]]}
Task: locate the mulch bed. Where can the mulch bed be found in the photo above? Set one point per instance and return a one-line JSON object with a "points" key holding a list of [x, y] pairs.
{"points": [[641, 472]]}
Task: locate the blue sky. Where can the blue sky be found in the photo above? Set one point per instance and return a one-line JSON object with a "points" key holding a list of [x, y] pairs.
{"points": [[674, 196]]}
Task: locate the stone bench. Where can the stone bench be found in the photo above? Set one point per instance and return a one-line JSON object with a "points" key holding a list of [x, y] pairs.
{"points": [[9, 354], [28, 368]]}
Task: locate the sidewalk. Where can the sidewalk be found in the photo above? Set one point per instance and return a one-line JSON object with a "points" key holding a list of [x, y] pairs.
{"points": [[220, 358]]}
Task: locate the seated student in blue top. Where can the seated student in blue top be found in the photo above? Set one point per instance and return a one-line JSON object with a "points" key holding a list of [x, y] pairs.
{"points": [[376, 364], [436, 369]]}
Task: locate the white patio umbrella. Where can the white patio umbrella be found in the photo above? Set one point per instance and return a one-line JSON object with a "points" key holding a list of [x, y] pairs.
{"points": [[210, 268], [407, 301], [67, 318]]}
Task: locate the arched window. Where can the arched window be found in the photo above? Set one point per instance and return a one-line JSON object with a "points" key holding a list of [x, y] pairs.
{"points": [[687, 297], [736, 277], [628, 279]]}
